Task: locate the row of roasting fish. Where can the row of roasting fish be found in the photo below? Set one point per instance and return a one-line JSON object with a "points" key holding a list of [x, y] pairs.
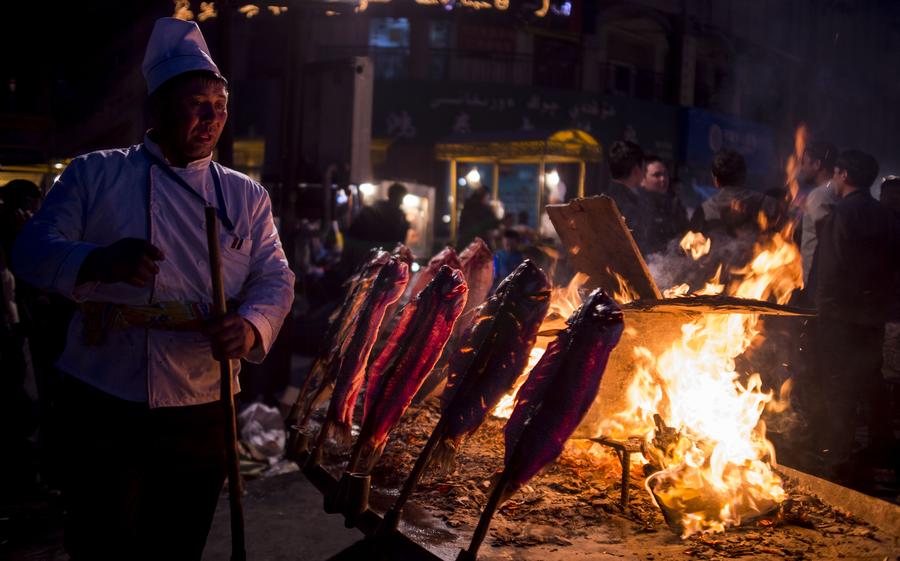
{"points": [[491, 341]]}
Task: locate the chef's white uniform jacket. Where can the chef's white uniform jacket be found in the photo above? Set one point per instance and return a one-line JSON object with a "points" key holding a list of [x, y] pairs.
{"points": [[108, 195]]}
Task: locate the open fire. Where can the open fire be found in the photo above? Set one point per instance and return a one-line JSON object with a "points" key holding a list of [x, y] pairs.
{"points": [[714, 466]]}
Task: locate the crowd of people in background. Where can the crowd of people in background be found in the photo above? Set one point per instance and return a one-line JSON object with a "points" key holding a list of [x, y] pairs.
{"points": [[850, 251]]}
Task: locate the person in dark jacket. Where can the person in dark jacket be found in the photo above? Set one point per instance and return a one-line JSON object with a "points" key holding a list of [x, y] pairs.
{"points": [[477, 218], [668, 218], [857, 256], [890, 197], [382, 224], [626, 170], [734, 209]]}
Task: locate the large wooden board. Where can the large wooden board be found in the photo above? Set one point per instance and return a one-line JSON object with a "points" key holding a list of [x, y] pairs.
{"points": [[599, 245]]}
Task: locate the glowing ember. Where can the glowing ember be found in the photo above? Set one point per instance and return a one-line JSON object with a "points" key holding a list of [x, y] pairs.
{"points": [[717, 472], [695, 244]]}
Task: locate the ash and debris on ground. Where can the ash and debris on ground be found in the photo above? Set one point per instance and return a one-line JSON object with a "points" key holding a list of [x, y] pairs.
{"points": [[581, 492]]}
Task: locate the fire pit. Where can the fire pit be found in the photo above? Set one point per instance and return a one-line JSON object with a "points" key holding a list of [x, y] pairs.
{"points": [[586, 503]]}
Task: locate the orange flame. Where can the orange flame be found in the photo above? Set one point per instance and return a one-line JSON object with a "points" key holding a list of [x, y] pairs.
{"points": [[719, 471], [712, 286], [624, 294], [563, 303], [695, 244], [677, 291], [792, 168]]}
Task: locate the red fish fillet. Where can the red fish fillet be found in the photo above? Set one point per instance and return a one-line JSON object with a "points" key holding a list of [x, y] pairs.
{"points": [[560, 389], [351, 363], [446, 256], [478, 267], [320, 379], [412, 351]]}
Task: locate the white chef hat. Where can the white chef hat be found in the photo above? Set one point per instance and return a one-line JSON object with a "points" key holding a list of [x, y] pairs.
{"points": [[175, 47]]}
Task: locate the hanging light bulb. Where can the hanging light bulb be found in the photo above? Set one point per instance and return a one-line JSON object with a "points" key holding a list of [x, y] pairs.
{"points": [[551, 178], [473, 177]]}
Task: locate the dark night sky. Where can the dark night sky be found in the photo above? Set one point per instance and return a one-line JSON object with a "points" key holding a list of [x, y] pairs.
{"points": [[58, 53], [65, 45]]}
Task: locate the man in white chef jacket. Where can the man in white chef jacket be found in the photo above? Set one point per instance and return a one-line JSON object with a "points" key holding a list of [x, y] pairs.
{"points": [[122, 233]]}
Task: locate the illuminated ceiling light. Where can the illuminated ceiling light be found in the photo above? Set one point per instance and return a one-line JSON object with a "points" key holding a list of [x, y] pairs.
{"points": [[410, 200], [473, 177], [367, 189], [57, 165], [445, 219]]}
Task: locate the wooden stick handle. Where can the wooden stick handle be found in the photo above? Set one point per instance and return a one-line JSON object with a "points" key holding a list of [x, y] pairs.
{"points": [[235, 488], [392, 517], [484, 523]]}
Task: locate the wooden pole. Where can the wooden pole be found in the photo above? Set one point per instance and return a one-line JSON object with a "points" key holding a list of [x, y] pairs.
{"points": [[582, 171], [392, 517], [495, 187], [542, 173], [484, 523], [226, 396], [453, 214]]}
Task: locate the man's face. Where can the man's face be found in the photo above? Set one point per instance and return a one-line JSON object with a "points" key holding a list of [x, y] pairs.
{"points": [[656, 178], [839, 181], [809, 169], [194, 116]]}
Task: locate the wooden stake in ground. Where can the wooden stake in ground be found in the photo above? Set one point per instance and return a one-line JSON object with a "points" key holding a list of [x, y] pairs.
{"points": [[235, 488]]}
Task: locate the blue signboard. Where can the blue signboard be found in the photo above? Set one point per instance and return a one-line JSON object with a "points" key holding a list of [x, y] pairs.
{"points": [[709, 132]]}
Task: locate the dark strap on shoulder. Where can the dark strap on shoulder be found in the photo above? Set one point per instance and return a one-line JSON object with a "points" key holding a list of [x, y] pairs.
{"points": [[221, 211]]}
